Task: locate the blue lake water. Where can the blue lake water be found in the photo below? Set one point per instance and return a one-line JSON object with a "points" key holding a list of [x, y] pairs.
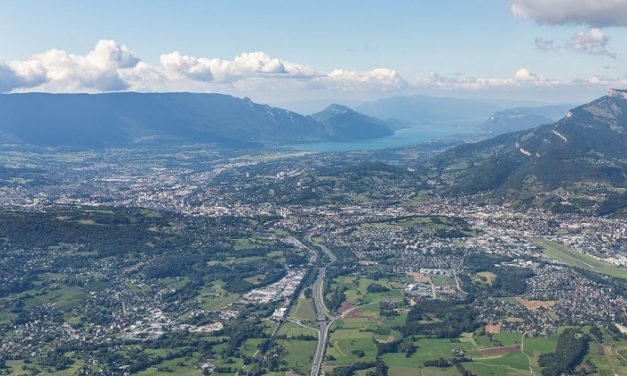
{"points": [[411, 136]]}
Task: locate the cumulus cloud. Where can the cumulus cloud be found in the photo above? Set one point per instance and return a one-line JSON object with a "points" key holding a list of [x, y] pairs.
{"points": [[383, 78], [178, 66], [110, 66], [523, 77], [523, 74], [597, 13], [592, 42], [27, 74], [57, 70], [245, 65], [8, 79], [113, 67]]}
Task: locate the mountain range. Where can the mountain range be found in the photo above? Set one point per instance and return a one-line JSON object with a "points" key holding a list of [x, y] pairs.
{"points": [[522, 118], [123, 119], [586, 148], [348, 124], [428, 110]]}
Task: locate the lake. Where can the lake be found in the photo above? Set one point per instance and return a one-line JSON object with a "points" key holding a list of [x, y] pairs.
{"points": [[415, 135]]}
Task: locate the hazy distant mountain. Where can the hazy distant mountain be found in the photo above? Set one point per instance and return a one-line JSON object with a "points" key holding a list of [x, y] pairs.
{"points": [[522, 118], [420, 109], [587, 146], [347, 124], [122, 119]]}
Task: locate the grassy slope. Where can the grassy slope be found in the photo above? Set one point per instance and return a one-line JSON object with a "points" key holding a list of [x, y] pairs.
{"points": [[566, 255]]}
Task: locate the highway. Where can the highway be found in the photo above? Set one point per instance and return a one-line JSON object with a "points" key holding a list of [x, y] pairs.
{"points": [[324, 316], [322, 323]]}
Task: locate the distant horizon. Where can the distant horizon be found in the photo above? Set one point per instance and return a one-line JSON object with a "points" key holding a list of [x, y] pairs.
{"points": [[309, 107], [544, 51]]}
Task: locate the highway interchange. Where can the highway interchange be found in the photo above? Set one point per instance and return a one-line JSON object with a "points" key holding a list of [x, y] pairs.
{"points": [[324, 316]]}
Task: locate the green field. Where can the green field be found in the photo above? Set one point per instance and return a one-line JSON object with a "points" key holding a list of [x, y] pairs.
{"points": [[15, 368], [610, 357], [427, 371], [291, 329], [358, 290], [355, 333], [566, 255], [304, 309], [439, 280], [410, 222], [214, 297], [486, 277], [298, 354], [177, 366], [434, 348], [345, 341], [64, 298]]}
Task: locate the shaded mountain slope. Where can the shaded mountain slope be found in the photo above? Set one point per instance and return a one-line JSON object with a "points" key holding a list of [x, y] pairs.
{"points": [[522, 118], [588, 147], [122, 119], [347, 124]]}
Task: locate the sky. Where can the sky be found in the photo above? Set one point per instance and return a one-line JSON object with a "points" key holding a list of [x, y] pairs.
{"points": [[291, 52]]}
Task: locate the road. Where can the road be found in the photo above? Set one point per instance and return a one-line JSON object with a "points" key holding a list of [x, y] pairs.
{"points": [[321, 313], [459, 286], [522, 350], [324, 316]]}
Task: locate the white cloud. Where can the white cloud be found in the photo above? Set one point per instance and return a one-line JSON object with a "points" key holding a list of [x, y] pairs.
{"points": [[523, 74], [8, 78], [592, 42], [108, 55], [245, 65], [523, 77], [179, 66], [25, 74], [113, 67], [57, 70], [559, 12], [380, 78]]}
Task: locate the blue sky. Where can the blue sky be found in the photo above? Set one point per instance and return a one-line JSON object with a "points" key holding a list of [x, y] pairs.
{"points": [[445, 47]]}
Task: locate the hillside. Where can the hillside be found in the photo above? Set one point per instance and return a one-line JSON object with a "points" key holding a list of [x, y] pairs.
{"points": [[584, 151], [347, 124], [123, 119], [522, 118], [422, 109]]}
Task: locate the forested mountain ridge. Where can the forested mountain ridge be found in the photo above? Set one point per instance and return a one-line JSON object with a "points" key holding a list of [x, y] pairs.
{"points": [[588, 147], [124, 119], [522, 118], [345, 123]]}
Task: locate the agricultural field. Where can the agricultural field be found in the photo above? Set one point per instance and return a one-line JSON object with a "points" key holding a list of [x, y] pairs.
{"points": [[353, 337], [486, 277], [298, 354], [357, 289], [509, 361], [290, 329], [425, 224], [214, 297], [609, 356], [176, 366], [356, 336], [303, 309]]}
